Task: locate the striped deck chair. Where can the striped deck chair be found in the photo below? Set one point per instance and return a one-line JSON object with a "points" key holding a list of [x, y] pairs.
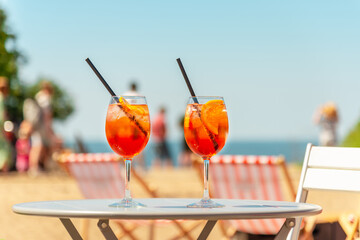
{"points": [[101, 175], [250, 177]]}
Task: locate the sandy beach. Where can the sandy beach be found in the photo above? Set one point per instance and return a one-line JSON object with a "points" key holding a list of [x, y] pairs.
{"points": [[169, 183], [57, 185]]}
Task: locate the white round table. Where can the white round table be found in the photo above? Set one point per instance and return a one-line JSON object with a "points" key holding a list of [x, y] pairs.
{"points": [[167, 208]]}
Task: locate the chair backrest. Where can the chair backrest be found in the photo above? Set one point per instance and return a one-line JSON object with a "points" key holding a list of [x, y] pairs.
{"points": [[328, 168], [251, 177], [99, 175]]}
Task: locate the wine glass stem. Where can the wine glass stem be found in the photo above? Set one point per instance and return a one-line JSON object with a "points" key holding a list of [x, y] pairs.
{"points": [[206, 179], [127, 178]]}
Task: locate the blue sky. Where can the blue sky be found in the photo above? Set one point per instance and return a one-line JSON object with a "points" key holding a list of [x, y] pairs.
{"points": [[274, 62]]}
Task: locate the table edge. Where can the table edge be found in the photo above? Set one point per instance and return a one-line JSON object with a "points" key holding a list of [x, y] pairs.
{"points": [[17, 208]]}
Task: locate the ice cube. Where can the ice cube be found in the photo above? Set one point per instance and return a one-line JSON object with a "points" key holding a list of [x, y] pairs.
{"points": [[114, 112]]}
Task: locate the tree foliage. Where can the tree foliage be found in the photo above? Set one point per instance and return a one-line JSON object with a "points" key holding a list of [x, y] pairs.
{"points": [[9, 55], [11, 59], [62, 103], [353, 137]]}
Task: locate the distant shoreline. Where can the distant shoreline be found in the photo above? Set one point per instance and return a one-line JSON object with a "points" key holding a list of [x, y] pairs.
{"points": [[292, 150]]}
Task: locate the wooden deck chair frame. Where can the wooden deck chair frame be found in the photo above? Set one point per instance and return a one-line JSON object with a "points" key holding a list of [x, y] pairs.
{"points": [[67, 158], [276, 161], [331, 169]]}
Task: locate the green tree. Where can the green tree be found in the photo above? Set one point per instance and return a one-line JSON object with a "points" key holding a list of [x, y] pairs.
{"points": [[62, 103], [10, 61], [353, 137]]}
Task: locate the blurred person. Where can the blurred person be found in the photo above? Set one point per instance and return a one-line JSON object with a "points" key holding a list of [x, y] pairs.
{"points": [[44, 99], [52, 142], [33, 114], [159, 131], [38, 112], [5, 147], [133, 91], [326, 117], [23, 147]]}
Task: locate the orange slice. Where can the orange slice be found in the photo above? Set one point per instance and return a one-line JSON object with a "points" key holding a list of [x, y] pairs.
{"points": [[124, 104], [135, 110], [213, 113], [135, 113], [186, 122]]}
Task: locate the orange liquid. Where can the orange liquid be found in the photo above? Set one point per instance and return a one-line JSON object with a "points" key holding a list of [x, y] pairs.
{"points": [[204, 139], [124, 136]]}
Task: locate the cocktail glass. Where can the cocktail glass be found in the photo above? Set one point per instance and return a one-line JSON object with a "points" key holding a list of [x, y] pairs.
{"points": [[206, 128], [127, 131]]}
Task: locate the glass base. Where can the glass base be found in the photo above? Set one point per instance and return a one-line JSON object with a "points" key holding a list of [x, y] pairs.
{"points": [[205, 204], [127, 203]]}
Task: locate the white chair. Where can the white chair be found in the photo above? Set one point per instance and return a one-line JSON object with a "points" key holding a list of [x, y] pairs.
{"points": [[327, 168]]}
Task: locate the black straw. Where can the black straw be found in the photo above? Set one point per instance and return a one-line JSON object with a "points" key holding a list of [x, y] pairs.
{"points": [[216, 145], [129, 115], [100, 77], [187, 80]]}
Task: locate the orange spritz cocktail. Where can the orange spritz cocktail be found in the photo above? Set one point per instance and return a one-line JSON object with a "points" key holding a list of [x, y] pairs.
{"points": [[127, 131], [127, 128], [206, 128]]}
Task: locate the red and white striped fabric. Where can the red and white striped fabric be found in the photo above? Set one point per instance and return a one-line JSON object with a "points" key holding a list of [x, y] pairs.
{"points": [[247, 159], [248, 177], [91, 157], [99, 175]]}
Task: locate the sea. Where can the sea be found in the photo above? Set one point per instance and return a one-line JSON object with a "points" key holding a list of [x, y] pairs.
{"points": [[292, 150]]}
